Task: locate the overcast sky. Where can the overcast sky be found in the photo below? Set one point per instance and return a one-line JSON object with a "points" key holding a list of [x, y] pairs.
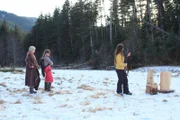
{"points": [[33, 8]]}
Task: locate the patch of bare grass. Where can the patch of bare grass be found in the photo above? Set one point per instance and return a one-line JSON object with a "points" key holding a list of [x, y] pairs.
{"points": [[86, 87], [18, 72], [3, 84], [106, 82], [40, 88], [7, 78], [65, 105], [2, 102], [18, 102], [83, 110], [94, 110], [105, 96], [51, 94], [19, 90], [95, 96], [11, 70], [98, 95], [86, 103], [37, 109], [42, 91], [63, 92], [8, 89], [165, 100], [26, 95], [57, 78], [37, 102]]}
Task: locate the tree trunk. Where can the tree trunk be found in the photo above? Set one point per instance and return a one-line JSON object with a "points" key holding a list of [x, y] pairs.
{"points": [[110, 27], [91, 38]]}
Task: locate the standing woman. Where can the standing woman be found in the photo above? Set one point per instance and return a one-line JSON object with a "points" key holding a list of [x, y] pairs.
{"points": [[120, 70], [47, 63], [32, 78]]}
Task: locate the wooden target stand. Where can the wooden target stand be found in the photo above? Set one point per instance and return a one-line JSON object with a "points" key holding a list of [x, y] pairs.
{"points": [[165, 81]]}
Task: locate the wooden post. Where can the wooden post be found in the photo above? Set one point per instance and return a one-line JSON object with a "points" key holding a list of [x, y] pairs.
{"points": [[150, 77], [154, 89], [148, 88], [150, 81], [151, 87], [165, 81]]}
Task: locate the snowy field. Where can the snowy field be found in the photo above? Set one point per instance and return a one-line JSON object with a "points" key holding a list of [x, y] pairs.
{"points": [[89, 95]]}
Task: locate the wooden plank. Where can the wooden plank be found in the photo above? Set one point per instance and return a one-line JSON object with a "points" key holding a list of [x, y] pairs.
{"points": [[165, 81], [150, 77]]}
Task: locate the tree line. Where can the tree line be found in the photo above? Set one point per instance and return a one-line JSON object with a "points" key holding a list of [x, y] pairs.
{"points": [[11, 46], [75, 33]]}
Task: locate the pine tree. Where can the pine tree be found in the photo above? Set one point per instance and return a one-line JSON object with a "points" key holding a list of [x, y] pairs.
{"points": [[4, 35], [16, 47]]}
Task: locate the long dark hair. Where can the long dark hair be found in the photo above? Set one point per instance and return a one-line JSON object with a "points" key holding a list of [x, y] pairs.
{"points": [[45, 52], [119, 50]]}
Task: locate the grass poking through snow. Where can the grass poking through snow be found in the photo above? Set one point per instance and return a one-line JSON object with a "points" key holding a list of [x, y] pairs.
{"points": [[18, 102], [94, 110], [86, 87], [2, 102]]}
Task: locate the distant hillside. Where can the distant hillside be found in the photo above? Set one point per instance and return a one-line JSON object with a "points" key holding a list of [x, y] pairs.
{"points": [[25, 23]]}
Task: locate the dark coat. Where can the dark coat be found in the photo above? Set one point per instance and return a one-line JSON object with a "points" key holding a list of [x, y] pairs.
{"points": [[32, 78]]}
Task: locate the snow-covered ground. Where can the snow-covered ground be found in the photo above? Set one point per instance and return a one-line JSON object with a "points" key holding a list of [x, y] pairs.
{"points": [[89, 95]]}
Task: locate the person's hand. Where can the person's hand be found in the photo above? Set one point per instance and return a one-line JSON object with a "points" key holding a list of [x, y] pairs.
{"points": [[129, 54], [32, 66], [125, 64], [37, 67]]}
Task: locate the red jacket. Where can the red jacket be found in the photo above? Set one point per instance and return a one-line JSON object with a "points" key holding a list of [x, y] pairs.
{"points": [[48, 74]]}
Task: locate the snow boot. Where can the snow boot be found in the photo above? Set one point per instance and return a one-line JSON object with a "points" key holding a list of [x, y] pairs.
{"points": [[129, 93], [49, 86], [31, 91], [45, 86]]}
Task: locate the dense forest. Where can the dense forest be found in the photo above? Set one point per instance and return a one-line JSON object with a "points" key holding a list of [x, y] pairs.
{"points": [[85, 33], [11, 46]]}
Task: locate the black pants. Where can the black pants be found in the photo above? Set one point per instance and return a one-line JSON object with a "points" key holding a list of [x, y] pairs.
{"points": [[122, 80]]}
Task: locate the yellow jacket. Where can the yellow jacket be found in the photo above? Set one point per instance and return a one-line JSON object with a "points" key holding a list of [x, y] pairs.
{"points": [[120, 65]]}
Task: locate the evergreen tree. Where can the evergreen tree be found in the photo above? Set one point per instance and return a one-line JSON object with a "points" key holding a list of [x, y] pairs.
{"points": [[4, 36]]}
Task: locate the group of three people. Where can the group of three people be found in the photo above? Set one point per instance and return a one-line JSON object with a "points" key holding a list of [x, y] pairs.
{"points": [[32, 79]]}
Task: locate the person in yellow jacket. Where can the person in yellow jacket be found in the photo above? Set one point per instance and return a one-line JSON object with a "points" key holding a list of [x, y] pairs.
{"points": [[120, 70]]}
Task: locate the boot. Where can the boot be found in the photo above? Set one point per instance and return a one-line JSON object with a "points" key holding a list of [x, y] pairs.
{"points": [[129, 93], [46, 86], [49, 86], [31, 91]]}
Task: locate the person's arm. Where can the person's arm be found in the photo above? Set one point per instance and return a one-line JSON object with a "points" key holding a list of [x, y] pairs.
{"points": [[29, 61], [49, 61], [34, 61]]}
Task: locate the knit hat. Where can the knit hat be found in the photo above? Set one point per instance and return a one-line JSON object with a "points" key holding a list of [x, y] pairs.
{"points": [[32, 48]]}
